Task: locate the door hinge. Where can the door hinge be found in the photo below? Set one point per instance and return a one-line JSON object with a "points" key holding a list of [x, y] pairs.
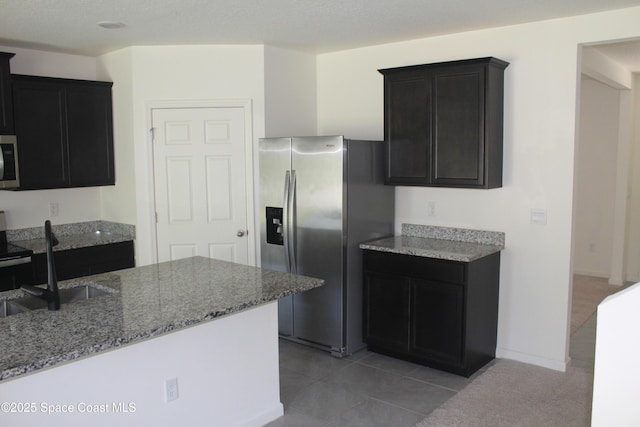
{"points": [[153, 133], [155, 214]]}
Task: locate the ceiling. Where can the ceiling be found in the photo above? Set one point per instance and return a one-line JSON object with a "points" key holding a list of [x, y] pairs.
{"points": [[315, 26]]}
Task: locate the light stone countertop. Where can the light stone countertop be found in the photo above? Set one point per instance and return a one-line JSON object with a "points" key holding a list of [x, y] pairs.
{"points": [[454, 244], [73, 241], [73, 236], [143, 302]]}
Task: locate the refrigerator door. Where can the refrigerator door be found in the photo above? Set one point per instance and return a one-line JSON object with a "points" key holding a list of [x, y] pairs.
{"points": [[318, 166], [274, 156]]}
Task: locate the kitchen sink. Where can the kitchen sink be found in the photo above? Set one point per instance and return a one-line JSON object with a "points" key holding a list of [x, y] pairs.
{"points": [[7, 308], [67, 296]]}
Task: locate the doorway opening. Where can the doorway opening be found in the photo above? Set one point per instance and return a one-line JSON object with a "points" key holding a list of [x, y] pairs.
{"points": [[605, 255]]}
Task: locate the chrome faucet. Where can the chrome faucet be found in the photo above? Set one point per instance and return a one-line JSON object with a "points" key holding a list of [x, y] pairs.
{"points": [[50, 294]]}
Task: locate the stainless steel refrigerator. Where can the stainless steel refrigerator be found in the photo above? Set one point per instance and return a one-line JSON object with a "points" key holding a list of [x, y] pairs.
{"points": [[320, 197]]}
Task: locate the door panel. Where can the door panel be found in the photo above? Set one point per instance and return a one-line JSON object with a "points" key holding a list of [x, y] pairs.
{"points": [[200, 183], [386, 310], [459, 125], [437, 320], [274, 158], [318, 166]]}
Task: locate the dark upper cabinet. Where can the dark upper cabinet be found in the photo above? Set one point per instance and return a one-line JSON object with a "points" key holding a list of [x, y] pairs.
{"points": [[65, 132], [41, 129], [408, 127], [90, 134], [443, 123], [6, 106]]}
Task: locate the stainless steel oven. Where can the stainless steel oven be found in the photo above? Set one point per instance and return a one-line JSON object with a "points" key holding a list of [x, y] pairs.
{"points": [[15, 262], [9, 169], [15, 267]]}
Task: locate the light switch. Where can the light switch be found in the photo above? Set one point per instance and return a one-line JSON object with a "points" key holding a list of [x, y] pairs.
{"points": [[538, 216]]}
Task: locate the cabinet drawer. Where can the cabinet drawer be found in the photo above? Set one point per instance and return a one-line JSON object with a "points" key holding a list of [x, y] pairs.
{"points": [[415, 266]]}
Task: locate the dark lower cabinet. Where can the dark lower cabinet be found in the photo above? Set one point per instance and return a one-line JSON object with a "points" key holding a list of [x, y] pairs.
{"points": [[387, 301], [80, 262], [439, 313], [436, 321]]}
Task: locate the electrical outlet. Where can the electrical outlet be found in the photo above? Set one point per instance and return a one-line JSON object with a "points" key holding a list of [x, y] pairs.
{"points": [[431, 208], [54, 209], [171, 389]]}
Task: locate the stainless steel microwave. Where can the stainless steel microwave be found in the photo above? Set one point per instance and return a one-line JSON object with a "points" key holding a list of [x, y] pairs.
{"points": [[9, 171]]}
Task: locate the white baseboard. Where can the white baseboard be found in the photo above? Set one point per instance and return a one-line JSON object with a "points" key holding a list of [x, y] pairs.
{"points": [[556, 365], [592, 273], [266, 417]]}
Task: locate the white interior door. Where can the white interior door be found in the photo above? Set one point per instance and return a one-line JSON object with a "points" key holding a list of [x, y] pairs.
{"points": [[200, 183]]}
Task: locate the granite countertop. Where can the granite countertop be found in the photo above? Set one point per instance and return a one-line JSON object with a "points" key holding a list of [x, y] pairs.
{"points": [[454, 244], [73, 236], [73, 241], [143, 302]]}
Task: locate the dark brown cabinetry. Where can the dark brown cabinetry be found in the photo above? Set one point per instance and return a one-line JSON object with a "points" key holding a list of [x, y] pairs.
{"points": [[443, 123], [6, 106], [65, 132], [86, 261], [434, 312]]}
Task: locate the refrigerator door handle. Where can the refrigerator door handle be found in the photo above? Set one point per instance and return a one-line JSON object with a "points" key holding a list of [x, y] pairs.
{"points": [[293, 223], [285, 220]]}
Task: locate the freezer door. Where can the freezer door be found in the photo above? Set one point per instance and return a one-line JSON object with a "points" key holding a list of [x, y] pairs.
{"points": [[274, 162], [318, 167]]}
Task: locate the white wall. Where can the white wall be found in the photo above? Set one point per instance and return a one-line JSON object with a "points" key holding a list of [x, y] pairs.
{"points": [[633, 234], [289, 93], [171, 73], [616, 382], [596, 166], [539, 141], [31, 208], [117, 202]]}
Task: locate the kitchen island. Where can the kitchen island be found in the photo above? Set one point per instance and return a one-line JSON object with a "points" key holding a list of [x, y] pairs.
{"points": [[111, 360]]}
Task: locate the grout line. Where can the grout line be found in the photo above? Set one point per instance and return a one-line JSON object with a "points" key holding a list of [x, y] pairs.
{"points": [[403, 408]]}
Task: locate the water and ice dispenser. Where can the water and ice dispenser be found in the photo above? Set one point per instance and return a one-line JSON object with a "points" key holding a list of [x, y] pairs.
{"points": [[274, 226]]}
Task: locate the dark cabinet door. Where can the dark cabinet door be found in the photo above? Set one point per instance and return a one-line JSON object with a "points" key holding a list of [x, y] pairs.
{"points": [[437, 314], [41, 131], [65, 132], [6, 104], [79, 262], [458, 137], [90, 138], [443, 123], [386, 311], [408, 127]]}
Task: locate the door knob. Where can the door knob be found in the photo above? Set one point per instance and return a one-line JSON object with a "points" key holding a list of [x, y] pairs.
{"points": [[240, 233]]}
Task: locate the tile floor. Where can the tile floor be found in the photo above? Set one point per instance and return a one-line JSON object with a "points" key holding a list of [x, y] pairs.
{"points": [[368, 389]]}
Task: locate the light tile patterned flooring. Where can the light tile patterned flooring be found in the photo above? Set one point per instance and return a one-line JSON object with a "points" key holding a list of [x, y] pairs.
{"points": [[368, 389]]}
